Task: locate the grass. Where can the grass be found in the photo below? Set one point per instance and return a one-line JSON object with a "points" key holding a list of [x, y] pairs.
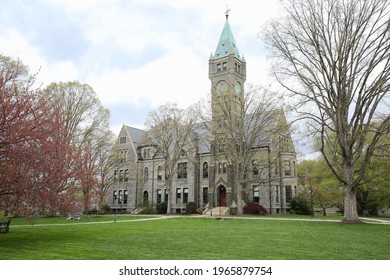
{"points": [[193, 239]]}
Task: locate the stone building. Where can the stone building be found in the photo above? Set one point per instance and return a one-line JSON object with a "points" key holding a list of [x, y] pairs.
{"points": [[204, 175]]}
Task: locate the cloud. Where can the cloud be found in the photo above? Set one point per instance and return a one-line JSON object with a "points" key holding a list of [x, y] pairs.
{"points": [[138, 54]]}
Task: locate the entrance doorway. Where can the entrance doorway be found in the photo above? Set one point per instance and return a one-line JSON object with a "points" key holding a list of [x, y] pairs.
{"points": [[222, 196]]}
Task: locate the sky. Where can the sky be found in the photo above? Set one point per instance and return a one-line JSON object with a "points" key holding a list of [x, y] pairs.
{"points": [[136, 54]]}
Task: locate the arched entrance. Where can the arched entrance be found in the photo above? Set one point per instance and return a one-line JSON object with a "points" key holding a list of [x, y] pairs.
{"points": [[222, 196], [146, 198]]}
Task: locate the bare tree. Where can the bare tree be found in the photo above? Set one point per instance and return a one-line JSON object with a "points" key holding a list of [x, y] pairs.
{"points": [[170, 129], [334, 56]]}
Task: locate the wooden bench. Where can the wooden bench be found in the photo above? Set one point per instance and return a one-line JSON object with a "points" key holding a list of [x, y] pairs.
{"points": [[4, 226]]}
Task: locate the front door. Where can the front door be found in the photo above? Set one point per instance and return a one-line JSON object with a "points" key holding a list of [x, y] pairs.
{"points": [[222, 196]]}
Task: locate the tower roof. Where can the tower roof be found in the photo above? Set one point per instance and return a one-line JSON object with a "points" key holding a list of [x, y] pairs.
{"points": [[226, 43]]}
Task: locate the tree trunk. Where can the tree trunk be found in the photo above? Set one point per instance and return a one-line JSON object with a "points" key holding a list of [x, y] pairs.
{"points": [[239, 200], [350, 205], [169, 202], [351, 215]]}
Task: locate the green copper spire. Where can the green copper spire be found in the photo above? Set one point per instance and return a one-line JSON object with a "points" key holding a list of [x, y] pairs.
{"points": [[226, 43]]}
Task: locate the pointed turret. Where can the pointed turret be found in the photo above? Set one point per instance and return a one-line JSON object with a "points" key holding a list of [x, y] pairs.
{"points": [[226, 43]]}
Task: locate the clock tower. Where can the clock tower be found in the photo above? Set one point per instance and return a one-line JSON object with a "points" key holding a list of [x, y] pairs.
{"points": [[227, 73]]}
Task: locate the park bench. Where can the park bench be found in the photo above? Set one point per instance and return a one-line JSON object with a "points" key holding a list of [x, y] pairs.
{"points": [[74, 217], [4, 226]]}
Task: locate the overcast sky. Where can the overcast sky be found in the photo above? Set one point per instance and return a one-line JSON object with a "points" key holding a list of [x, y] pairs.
{"points": [[136, 54]]}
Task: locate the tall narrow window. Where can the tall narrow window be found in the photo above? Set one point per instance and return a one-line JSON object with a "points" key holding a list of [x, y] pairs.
{"points": [[178, 196], [255, 167], [205, 196], [159, 173], [221, 144], [277, 194], [288, 194], [120, 176], [185, 195], [165, 195], [120, 198], [146, 175], [159, 195], [287, 168], [126, 175], [114, 197], [182, 170], [256, 194], [205, 170], [125, 196]]}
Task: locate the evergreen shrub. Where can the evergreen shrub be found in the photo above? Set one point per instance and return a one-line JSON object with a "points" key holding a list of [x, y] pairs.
{"points": [[300, 205], [161, 208]]}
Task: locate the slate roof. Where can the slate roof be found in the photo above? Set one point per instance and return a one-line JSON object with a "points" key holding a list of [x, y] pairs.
{"points": [[136, 134]]}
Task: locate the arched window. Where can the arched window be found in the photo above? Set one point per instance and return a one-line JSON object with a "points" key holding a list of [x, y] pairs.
{"points": [[205, 170], [146, 198], [146, 175]]}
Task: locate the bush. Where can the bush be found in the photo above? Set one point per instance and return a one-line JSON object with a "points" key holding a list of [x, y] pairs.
{"points": [[254, 208], [105, 209], [191, 208], [301, 205], [161, 208]]}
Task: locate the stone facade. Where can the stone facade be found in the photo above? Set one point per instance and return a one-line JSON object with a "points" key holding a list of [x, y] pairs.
{"points": [[204, 175]]}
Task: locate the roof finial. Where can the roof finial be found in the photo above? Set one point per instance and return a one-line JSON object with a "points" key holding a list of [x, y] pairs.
{"points": [[227, 12]]}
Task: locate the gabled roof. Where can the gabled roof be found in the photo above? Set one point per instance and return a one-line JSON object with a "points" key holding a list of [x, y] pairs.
{"points": [[135, 134], [226, 43]]}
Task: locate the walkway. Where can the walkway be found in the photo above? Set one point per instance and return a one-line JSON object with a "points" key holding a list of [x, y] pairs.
{"points": [[152, 218]]}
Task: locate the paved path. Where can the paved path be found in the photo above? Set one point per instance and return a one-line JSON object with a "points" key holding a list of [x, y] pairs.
{"points": [[152, 218]]}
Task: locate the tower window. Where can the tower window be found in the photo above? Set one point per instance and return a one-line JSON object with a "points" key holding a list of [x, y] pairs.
{"points": [[205, 170], [219, 67], [224, 66], [237, 67]]}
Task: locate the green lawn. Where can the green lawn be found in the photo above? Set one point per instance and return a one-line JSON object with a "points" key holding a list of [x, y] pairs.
{"points": [[194, 239]]}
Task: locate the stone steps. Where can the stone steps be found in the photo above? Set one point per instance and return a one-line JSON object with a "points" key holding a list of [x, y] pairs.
{"points": [[217, 211]]}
